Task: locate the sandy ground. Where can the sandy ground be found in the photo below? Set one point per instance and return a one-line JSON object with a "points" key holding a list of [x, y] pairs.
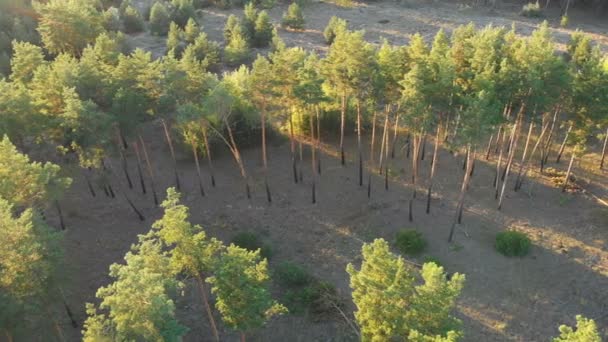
{"points": [[505, 299]]}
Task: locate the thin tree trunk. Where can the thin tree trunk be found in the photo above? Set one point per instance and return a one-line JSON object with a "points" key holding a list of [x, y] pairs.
{"points": [[408, 143], [521, 177], [121, 136], [567, 179], [433, 166], [149, 165], [318, 140], [395, 134], [60, 214], [523, 156], [342, 119], [497, 177], [604, 150], [561, 148], [139, 172], [371, 148], [203, 292], [513, 147], [489, 146], [292, 145], [423, 151], [264, 153], [208, 152], [498, 136], [135, 210], [313, 157], [463, 190], [301, 174], [382, 145], [198, 168], [416, 140], [387, 161], [237, 156], [547, 145], [170, 142], [89, 185], [359, 143], [68, 311]]}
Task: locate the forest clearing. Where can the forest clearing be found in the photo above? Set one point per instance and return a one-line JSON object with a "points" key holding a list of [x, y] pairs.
{"points": [[194, 170]]}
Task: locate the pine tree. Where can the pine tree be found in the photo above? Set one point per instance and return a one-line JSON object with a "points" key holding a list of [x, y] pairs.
{"points": [[231, 25], [293, 18], [26, 58], [191, 31], [137, 305], [586, 331], [390, 306], [263, 30], [240, 283], [159, 19], [237, 50], [183, 10], [132, 20], [68, 26], [191, 252], [207, 52], [250, 17], [334, 27], [174, 38]]}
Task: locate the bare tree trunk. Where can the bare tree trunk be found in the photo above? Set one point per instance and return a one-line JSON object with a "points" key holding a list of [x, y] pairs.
{"points": [[237, 156], [208, 152], [359, 143], [371, 148], [521, 177], [198, 168], [313, 158], [264, 153], [292, 144], [387, 161], [382, 145], [395, 135], [489, 146], [423, 151], [463, 190], [498, 136], [547, 146], [433, 166], [512, 149], [567, 179], [523, 156], [301, 174], [60, 214], [604, 150], [497, 177], [139, 172], [561, 148], [170, 142], [318, 140], [203, 292], [342, 120], [150, 172]]}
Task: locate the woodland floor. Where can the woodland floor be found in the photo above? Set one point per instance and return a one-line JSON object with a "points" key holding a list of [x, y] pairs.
{"points": [[504, 299]]}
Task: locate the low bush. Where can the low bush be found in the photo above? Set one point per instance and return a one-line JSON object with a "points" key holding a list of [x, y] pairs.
{"points": [[319, 300], [531, 10], [251, 242], [512, 243], [410, 242], [132, 20], [293, 18], [429, 258], [291, 274]]}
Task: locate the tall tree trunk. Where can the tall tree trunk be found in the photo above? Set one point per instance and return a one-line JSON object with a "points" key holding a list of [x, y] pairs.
{"points": [[203, 292], [292, 146], [382, 144], [489, 146], [208, 152], [524, 155], [497, 176], [342, 122], [567, 179], [264, 153], [300, 173], [497, 143], [313, 157], [359, 142], [150, 172], [88, 180], [122, 145], [561, 148], [60, 214], [122, 139], [408, 143], [415, 148], [512, 149], [237, 156], [198, 168], [139, 172], [547, 145], [463, 190], [423, 148], [604, 150], [68, 311], [395, 134], [371, 148], [387, 161], [433, 166], [521, 177], [170, 142], [318, 140]]}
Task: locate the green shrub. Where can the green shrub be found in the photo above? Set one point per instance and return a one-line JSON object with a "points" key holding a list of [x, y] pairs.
{"points": [[293, 18], [564, 21], [237, 50], [512, 243], [262, 30], [319, 299], [334, 26], [251, 242], [291, 274], [132, 20], [531, 10], [182, 11], [410, 242], [429, 258], [159, 19], [111, 19]]}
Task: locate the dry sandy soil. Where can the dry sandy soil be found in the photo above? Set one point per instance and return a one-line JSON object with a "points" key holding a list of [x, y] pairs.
{"points": [[505, 299]]}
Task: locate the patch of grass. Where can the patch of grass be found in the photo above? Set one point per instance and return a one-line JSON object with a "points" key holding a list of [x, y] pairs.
{"points": [[251, 242], [291, 274], [557, 178], [430, 258], [531, 10], [512, 243], [410, 242]]}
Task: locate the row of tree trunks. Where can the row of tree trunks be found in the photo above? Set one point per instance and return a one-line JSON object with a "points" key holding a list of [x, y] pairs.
{"points": [[512, 150]]}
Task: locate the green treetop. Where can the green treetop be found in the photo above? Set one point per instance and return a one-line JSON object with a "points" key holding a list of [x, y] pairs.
{"points": [[293, 18], [586, 331], [26, 58], [174, 37], [240, 283], [26, 184], [262, 30], [191, 31], [159, 19], [68, 25], [138, 304]]}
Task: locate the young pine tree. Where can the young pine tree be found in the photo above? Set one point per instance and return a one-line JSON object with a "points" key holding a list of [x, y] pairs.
{"points": [[174, 38], [586, 331], [191, 31], [263, 30], [334, 27], [240, 283], [293, 18], [237, 50], [159, 19]]}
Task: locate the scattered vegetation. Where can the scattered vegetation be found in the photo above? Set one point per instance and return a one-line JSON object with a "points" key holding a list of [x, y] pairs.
{"points": [[410, 242], [532, 10], [586, 331], [512, 243], [251, 242], [291, 274]]}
